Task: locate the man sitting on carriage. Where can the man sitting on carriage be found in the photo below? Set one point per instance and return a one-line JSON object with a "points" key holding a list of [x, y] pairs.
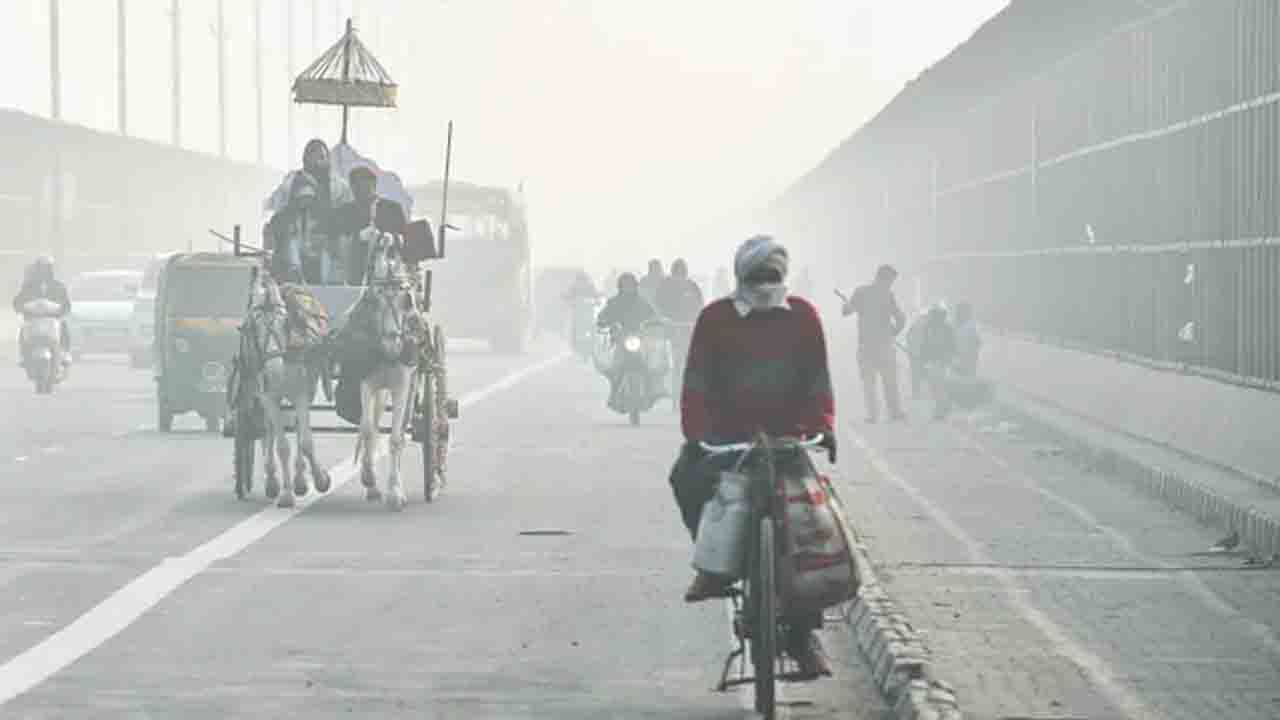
{"points": [[367, 209], [303, 229]]}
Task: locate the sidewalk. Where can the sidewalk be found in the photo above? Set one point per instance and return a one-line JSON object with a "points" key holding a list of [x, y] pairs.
{"points": [[1040, 585], [1216, 496]]}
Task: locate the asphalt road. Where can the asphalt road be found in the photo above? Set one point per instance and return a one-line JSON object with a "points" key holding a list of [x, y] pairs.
{"points": [[134, 585]]}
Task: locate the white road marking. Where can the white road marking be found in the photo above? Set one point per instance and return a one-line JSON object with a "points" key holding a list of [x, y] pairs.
{"points": [[21, 458], [123, 607], [51, 450], [1094, 667]]}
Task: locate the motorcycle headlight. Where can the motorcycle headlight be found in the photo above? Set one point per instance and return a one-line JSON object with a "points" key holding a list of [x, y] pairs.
{"points": [[632, 343], [181, 345]]}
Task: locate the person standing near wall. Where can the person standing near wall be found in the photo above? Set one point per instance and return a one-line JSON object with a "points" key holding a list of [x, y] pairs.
{"points": [[880, 320]]}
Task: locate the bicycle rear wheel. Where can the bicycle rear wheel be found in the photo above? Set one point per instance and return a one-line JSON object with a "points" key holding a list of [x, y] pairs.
{"points": [[764, 641]]}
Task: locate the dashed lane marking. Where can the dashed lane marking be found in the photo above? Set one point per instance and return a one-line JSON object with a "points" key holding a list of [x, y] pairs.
{"points": [[1099, 673], [123, 607]]}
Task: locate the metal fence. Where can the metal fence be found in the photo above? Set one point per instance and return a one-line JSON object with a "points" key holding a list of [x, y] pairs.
{"points": [[1124, 201]]}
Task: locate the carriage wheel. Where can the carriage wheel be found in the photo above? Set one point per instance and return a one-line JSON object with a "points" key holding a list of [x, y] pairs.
{"points": [[245, 450], [428, 439], [434, 417]]}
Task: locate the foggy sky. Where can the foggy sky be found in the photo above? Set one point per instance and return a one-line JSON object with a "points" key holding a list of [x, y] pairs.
{"points": [[635, 126]]}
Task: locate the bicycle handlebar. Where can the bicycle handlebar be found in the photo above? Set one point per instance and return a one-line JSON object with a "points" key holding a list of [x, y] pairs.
{"points": [[805, 443]]}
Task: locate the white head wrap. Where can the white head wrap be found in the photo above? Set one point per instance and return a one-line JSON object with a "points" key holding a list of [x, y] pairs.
{"points": [[755, 252]]}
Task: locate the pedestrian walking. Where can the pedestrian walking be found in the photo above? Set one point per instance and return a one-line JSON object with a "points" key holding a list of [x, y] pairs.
{"points": [[880, 320]]}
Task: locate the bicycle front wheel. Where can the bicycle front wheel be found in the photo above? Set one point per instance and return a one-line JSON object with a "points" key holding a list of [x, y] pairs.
{"points": [[765, 631]]}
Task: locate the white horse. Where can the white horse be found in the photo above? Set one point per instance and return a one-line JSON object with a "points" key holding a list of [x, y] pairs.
{"points": [[283, 375], [389, 309]]}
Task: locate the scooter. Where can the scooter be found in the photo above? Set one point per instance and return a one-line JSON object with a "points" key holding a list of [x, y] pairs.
{"points": [[42, 344]]}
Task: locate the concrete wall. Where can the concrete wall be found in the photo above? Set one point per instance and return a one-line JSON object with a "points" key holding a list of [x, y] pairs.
{"points": [[1225, 424], [70, 190]]}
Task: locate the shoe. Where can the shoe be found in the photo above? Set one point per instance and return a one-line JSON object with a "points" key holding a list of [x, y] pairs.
{"points": [[706, 586], [898, 417], [872, 420], [806, 650]]}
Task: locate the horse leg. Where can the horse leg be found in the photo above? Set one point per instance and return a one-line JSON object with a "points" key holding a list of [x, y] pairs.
{"points": [[301, 486], [399, 409], [307, 447], [271, 427], [287, 499], [370, 417]]}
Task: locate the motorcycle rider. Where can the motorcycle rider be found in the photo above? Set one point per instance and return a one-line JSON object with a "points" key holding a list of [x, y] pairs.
{"points": [[680, 300], [630, 311], [757, 361], [652, 280], [41, 283]]}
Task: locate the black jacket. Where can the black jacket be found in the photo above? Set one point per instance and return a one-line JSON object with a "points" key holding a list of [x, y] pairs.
{"points": [[630, 310], [938, 346], [680, 299], [43, 289]]}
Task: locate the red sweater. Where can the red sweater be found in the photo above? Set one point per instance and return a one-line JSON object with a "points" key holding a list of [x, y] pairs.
{"points": [[766, 371]]}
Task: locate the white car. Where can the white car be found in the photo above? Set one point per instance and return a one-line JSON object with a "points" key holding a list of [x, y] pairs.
{"points": [[142, 321], [101, 307]]}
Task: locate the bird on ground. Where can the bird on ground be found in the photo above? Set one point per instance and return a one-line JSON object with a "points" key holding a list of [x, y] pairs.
{"points": [[1228, 543]]}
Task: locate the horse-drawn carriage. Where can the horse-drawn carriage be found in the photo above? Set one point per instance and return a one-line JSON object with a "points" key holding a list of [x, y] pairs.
{"points": [[275, 380], [374, 335]]}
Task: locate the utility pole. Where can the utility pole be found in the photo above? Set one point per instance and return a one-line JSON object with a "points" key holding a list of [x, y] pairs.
{"points": [[55, 171], [55, 63], [122, 54], [176, 62], [222, 82], [257, 69], [288, 68]]}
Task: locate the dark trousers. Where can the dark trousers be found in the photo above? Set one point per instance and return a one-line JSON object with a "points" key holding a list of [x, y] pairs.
{"points": [[693, 482]]}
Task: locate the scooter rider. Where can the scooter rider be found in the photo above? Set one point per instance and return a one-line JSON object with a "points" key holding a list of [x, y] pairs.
{"points": [[41, 283], [757, 362], [630, 311]]}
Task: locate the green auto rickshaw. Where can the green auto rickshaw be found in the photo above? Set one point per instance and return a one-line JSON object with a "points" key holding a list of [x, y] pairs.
{"points": [[200, 303]]}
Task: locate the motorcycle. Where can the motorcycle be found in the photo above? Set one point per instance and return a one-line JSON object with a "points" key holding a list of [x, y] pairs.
{"points": [[42, 344], [637, 358]]}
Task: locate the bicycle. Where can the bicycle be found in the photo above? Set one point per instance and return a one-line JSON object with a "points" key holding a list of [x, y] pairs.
{"points": [[756, 616]]}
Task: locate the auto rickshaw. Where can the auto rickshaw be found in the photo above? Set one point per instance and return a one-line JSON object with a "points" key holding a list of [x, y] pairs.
{"points": [[200, 303]]}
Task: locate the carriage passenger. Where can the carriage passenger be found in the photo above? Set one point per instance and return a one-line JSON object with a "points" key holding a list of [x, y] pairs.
{"points": [[306, 239], [366, 209]]}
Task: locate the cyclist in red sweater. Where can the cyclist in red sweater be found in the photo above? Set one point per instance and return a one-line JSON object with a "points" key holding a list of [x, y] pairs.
{"points": [[757, 362]]}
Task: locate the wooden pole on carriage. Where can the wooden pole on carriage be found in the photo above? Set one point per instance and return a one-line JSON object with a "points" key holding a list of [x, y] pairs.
{"points": [[444, 193], [346, 75]]}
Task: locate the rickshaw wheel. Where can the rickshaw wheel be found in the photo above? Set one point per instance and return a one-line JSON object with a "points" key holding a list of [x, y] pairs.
{"points": [[164, 416]]}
